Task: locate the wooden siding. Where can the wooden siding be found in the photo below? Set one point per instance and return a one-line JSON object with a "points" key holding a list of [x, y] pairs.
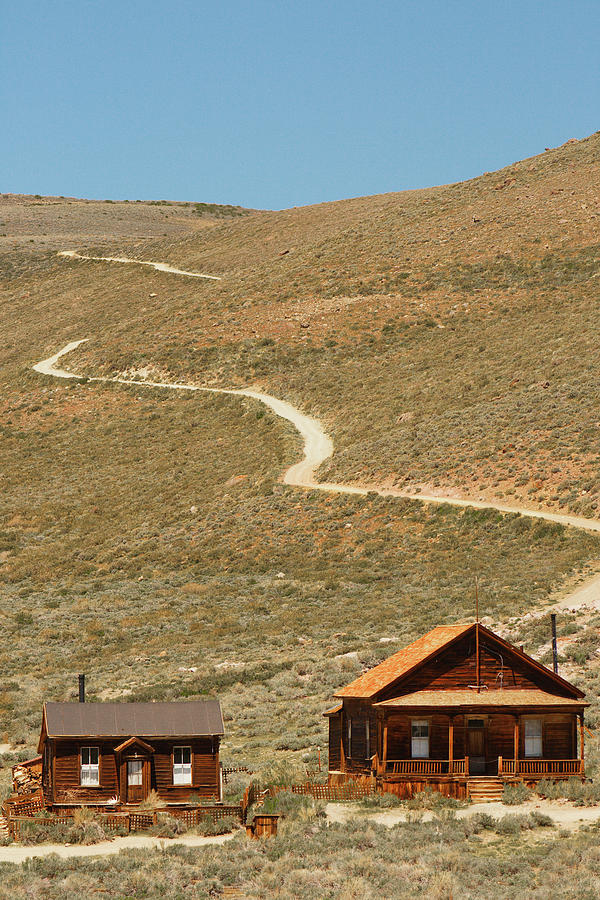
{"points": [[205, 770], [335, 737], [67, 772], [559, 736], [408, 788], [399, 736], [357, 754], [65, 780], [455, 668]]}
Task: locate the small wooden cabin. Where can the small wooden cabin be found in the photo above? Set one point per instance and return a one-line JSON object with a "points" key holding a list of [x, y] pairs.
{"points": [[459, 710], [103, 754]]}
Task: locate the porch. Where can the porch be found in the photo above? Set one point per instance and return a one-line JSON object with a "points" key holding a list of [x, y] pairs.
{"points": [[492, 734]]}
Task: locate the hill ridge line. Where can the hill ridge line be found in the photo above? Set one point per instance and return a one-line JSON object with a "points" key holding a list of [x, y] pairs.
{"points": [[318, 447], [160, 267]]}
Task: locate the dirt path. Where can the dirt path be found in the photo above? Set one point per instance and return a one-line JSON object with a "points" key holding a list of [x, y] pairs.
{"points": [[17, 853], [160, 267], [563, 813], [318, 447]]}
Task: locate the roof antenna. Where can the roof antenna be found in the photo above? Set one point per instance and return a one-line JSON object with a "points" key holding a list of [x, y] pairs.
{"points": [[477, 669]]}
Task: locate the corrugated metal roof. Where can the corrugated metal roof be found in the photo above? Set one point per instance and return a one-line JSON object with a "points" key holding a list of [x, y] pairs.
{"points": [[373, 681], [191, 718], [485, 698]]}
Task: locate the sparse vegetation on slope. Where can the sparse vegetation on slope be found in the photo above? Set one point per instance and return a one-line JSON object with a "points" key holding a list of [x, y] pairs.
{"points": [[147, 541], [446, 337], [145, 537]]}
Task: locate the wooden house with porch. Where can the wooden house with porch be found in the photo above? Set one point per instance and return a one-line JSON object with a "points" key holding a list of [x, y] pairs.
{"points": [[109, 754], [459, 710]]}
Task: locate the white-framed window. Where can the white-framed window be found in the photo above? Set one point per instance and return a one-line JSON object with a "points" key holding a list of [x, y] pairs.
{"points": [[533, 737], [90, 767], [419, 738], [134, 772], [182, 765], [368, 739]]}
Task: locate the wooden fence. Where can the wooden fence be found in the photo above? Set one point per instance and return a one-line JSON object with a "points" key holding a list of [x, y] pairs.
{"points": [[349, 790], [25, 806], [230, 770], [113, 823], [195, 815]]}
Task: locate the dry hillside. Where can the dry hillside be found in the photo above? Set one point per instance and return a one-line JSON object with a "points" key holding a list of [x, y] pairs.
{"points": [[446, 336]]}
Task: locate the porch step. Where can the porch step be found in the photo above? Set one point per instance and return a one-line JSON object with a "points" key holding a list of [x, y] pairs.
{"points": [[484, 789]]}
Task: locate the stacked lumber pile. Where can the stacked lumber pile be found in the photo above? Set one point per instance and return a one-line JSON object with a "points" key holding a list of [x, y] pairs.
{"points": [[27, 778]]}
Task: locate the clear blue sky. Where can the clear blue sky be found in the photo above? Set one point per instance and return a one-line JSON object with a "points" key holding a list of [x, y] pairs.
{"points": [[290, 102]]}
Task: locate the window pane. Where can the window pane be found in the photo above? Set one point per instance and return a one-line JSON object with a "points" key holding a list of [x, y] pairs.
{"points": [[420, 739], [182, 765], [134, 771], [476, 723], [420, 729], [533, 737], [90, 768]]}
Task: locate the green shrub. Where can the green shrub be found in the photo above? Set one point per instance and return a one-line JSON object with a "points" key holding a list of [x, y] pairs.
{"points": [[514, 794], [292, 806], [541, 820], [430, 799], [513, 824], [581, 793], [381, 801], [168, 826], [481, 820], [209, 826]]}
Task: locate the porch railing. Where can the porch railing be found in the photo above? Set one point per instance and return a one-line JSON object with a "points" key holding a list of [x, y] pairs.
{"points": [[536, 768], [541, 767], [427, 766]]}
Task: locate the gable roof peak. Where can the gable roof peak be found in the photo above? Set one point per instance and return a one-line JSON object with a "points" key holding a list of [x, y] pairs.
{"points": [[392, 669]]}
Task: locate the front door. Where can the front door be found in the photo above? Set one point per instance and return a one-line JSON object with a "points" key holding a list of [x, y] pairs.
{"points": [[476, 746], [135, 780]]}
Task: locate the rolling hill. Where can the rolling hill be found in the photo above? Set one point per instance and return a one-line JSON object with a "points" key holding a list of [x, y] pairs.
{"points": [[447, 339]]}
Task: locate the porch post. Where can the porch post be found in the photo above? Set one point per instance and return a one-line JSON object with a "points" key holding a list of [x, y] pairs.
{"points": [[450, 744], [378, 743], [581, 745], [517, 724], [342, 727]]}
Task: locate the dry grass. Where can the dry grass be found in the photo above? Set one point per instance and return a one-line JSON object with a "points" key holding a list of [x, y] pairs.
{"points": [[442, 859], [445, 336], [103, 566]]}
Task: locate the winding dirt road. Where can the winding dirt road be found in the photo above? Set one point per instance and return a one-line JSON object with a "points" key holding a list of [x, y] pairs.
{"points": [[318, 447], [17, 853], [160, 267]]}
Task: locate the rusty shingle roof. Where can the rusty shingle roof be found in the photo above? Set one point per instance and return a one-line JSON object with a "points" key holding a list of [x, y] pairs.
{"points": [[465, 699], [378, 678], [186, 718]]}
